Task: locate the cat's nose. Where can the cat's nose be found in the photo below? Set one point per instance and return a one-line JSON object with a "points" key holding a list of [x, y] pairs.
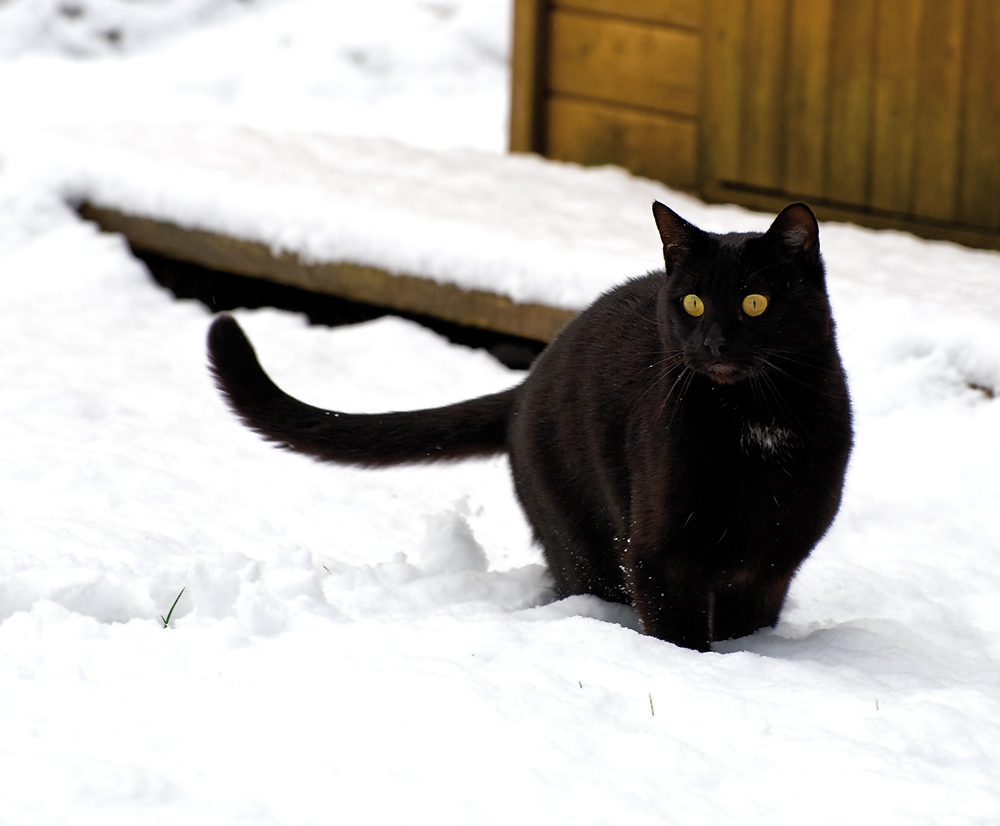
{"points": [[715, 343]]}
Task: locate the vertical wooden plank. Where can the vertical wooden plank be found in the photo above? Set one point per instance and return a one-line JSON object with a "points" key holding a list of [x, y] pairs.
{"points": [[723, 29], [849, 106], [527, 70], [649, 144], [897, 55], [936, 162], [980, 169], [624, 62], [762, 151], [806, 96]]}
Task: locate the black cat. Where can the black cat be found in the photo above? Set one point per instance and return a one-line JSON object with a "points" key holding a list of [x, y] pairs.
{"points": [[681, 446]]}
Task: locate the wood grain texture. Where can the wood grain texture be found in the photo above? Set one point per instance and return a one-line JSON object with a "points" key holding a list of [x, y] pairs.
{"points": [[848, 126], [882, 107], [679, 13], [937, 140], [806, 96], [652, 145], [371, 285], [528, 56], [897, 57], [762, 126], [724, 28], [618, 61], [979, 174]]}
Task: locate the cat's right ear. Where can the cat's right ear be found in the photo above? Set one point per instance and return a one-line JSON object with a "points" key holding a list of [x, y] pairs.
{"points": [[676, 234]]}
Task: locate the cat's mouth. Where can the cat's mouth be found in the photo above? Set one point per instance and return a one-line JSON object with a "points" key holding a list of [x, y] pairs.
{"points": [[725, 373]]}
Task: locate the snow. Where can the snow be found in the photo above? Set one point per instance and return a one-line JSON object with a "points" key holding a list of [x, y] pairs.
{"points": [[382, 646], [512, 224], [433, 72]]}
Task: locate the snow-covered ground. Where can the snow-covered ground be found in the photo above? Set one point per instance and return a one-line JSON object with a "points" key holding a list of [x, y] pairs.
{"points": [[381, 647]]}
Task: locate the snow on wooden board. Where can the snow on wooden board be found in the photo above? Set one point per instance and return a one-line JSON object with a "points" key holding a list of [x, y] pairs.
{"points": [[532, 230], [537, 232], [357, 282]]}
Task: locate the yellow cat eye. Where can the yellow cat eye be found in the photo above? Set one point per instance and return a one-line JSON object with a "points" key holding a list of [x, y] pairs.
{"points": [[754, 305], [693, 305]]}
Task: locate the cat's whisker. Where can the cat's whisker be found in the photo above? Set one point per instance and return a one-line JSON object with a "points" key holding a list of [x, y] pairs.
{"points": [[757, 391], [792, 377], [812, 361], [785, 410], [665, 365], [814, 365], [684, 379], [669, 394]]}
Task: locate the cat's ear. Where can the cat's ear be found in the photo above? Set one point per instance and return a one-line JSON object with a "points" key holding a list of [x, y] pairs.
{"points": [[676, 233], [796, 229]]}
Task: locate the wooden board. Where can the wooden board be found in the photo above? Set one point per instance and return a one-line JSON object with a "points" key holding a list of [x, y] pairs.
{"points": [[937, 140], [722, 92], [895, 110], [404, 293], [848, 126], [979, 201], [623, 62], [762, 127], [685, 14], [527, 73], [653, 145], [806, 98]]}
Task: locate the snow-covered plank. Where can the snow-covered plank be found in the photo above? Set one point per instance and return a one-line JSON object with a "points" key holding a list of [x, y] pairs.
{"points": [[357, 282], [517, 226]]}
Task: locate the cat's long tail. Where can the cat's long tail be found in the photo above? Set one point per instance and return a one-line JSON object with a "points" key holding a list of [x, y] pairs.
{"points": [[471, 428]]}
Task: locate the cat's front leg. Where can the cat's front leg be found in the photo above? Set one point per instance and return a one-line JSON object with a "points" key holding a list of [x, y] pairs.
{"points": [[739, 611], [674, 604]]}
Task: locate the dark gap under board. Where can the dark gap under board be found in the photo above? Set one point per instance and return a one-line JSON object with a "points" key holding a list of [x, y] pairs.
{"points": [[221, 291]]}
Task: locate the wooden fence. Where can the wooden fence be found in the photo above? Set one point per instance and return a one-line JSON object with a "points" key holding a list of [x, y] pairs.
{"points": [[883, 112]]}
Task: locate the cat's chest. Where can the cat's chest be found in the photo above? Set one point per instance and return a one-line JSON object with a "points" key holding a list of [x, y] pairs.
{"points": [[732, 428], [770, 441]]}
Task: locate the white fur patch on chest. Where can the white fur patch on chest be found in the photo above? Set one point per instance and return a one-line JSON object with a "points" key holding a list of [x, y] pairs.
{"points": [[771, 440]]}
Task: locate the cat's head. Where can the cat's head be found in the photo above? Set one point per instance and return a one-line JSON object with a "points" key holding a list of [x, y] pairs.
{"points": [[741, 305]]}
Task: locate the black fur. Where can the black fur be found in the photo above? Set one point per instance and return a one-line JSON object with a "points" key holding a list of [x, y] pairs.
{"points": [[472, 428], [686, 464]]}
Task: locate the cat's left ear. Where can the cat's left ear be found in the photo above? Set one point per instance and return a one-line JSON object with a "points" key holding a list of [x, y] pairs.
{"points": [[796, 229]]}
